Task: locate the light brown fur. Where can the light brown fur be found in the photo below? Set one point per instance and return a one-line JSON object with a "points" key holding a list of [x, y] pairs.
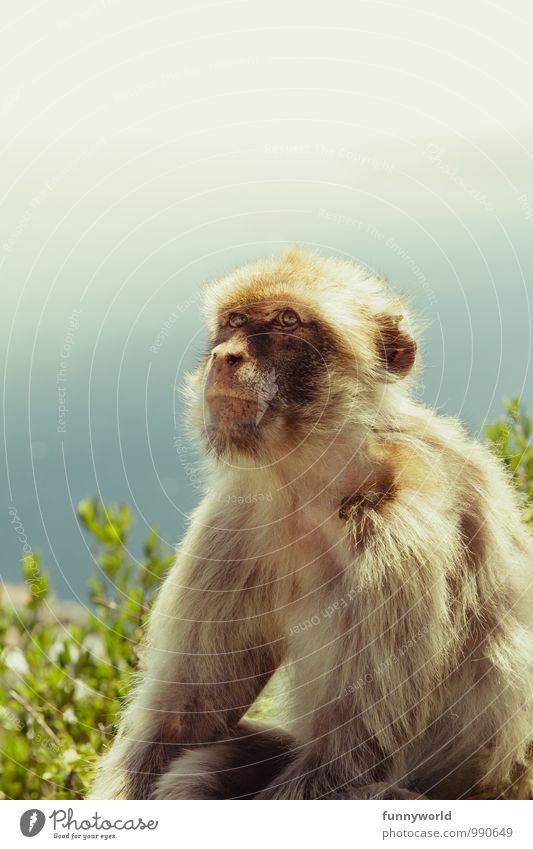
{"points": [[389, 573]]}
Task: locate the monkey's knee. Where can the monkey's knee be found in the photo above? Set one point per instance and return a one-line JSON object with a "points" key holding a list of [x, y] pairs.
{"points": [[131, 768], [237, 768]]}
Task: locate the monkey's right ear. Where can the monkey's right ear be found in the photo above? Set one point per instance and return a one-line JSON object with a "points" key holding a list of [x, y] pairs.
{"points": [[396, 349]]}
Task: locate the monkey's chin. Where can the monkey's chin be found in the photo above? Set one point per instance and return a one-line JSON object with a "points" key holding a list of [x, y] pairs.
{"points": [[233, 424], [245, 439]]}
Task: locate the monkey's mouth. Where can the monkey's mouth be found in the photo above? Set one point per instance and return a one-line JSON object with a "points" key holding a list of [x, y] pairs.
{"points": [[215, 393], [230, 408]]}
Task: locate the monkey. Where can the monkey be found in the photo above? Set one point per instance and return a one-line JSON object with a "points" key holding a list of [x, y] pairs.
{"points": [[386, 580]]}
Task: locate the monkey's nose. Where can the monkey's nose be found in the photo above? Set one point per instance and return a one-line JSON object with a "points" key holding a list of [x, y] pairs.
{"points": [[223, 377], [227, 356], [229, 359]]}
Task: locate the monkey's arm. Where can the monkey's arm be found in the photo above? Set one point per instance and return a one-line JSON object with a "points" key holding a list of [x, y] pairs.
{"points": [[211, 647], [395, 629]]}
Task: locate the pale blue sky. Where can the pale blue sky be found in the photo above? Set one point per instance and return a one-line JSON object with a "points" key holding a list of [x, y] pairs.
{"points": [[146, 148]]}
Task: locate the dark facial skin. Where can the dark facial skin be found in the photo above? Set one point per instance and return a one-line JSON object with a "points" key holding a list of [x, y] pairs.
{"points": [[268, 359]]}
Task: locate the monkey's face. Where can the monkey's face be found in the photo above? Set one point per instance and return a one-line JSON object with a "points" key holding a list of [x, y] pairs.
{"points": [[301, 347], [267, 369]]}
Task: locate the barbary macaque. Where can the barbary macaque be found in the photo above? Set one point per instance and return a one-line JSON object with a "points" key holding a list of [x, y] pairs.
{"points": [[386, 579]]}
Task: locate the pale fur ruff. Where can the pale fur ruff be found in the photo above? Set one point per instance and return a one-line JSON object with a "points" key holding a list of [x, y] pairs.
{"points": [[404, 632]]}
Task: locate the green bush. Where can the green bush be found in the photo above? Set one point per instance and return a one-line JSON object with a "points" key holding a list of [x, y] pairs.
{"points": [[61, 685], [510, 439]]}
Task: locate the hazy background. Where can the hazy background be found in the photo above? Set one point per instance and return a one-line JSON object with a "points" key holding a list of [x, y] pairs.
{"points": [[148, 147]]}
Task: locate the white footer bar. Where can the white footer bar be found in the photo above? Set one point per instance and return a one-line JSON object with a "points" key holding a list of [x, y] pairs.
{"points": [[266, 825]]}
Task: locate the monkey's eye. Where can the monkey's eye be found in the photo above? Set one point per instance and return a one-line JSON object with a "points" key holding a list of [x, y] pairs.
{"points": [[289, 318], [237, 319]]}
